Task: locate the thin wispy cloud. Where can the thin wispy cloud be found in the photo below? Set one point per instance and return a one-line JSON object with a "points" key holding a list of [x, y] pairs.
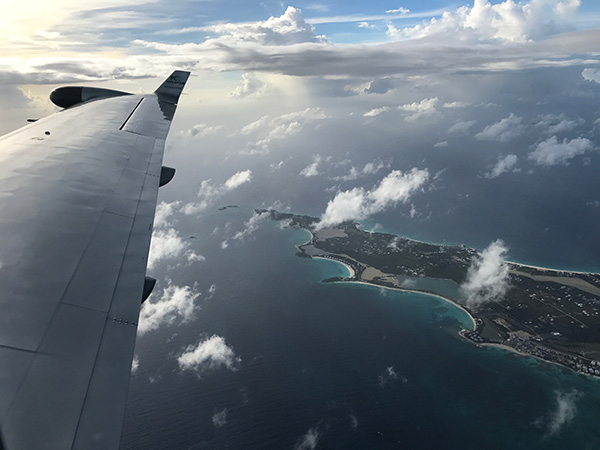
{"points": [[210, 193]]}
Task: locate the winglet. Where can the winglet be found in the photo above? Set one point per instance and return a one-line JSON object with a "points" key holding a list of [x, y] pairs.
{"points": [[171, 88]]}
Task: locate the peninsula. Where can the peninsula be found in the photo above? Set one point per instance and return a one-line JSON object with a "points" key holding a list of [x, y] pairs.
{"points": [[550, 314]]}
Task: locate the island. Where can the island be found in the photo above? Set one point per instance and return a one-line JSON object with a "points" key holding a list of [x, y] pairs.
{"points": [[550, 314]]}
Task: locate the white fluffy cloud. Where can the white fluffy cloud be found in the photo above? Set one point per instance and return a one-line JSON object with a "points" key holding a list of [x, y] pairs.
{"points": [[164, 211], [461, 127], [268, 130], [357, 203], [552, 152], [209, 354], [219, 419], [252, 225], [508, 128], [210, 193], [165, 244], [503, 165], [201, 129], [376, 111], [591, 75], [238, 179], [563, 413], [312, 170], [177, 303], [309, 440], [488, 276], [250, 85], [424, 108], [552, 124], [506, 21]]}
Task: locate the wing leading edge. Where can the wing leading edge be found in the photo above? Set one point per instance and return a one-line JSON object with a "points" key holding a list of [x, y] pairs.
{"points": [[78, 196]]}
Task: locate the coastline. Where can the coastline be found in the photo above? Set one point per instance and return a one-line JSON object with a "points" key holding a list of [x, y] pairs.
{"points": [[415, 291], [350, 269]]}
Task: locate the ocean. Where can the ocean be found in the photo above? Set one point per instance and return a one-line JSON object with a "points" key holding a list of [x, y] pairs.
{"points": [[338, 365]]}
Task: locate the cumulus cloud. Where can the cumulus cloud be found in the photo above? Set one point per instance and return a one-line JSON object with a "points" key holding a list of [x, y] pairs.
{"points": [[164, 211], [267, 130], [503, 165], [461, 127], [250, 85], [135, 364], [208, 355], [441, 144], [551, 152], [389, 374], [591, 75], [376, 111], [554, 124], [503, 131], [309, 440], [358, 203], [177, 303], [238, 179], [200, 130], [165, 244], [252, 225], [209, 193], [505, 21], [487, 277], [370, 168], [564, 412], [219, 419], [417, 110], [312, 170]]}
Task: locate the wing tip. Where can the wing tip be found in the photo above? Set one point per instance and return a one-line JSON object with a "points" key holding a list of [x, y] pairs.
{"points": [[172, 87]]}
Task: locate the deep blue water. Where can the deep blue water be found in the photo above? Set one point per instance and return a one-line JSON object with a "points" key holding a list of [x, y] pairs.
{"points": [[315, 356]]}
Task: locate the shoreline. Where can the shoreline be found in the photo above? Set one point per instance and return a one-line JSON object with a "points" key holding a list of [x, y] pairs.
{"points": [[530, 266], [415, 291], [350, 269]]}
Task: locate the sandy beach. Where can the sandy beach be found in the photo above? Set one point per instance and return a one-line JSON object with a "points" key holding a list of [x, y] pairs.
{"points": [[350, 269]]}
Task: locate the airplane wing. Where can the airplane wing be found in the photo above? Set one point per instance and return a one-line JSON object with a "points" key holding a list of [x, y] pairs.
{"points": [[78, 194]]}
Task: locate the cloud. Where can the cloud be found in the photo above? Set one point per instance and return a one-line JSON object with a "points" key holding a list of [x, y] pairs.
{"points": [[309, 440], [487, 277], [238, 179], [366, 25], [165, 244], [219, 419], [508, 128], [591, 75], [267, 130], [563, 413], [441, 144], [551, 152], [250, 85], [201, 130], [389, 374], [370, 168], [210, 193], [424, 108], [503, 165], [164, 211], [554, 124], [208, 355], [135, 364], [312, 169], [376, 111], [506, 21], [177, 303], [400, 10], [461, 127], [357, 204], [252, 225]]}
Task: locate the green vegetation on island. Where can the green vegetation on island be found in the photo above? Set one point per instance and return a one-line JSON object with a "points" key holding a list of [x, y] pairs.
{"points": [[550, 314]]}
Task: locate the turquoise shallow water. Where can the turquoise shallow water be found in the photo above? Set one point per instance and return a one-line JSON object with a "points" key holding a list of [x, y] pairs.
{"points": [[352, 366]]}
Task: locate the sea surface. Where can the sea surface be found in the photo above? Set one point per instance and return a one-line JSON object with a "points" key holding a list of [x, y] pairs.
{"points": [[338, 366]]}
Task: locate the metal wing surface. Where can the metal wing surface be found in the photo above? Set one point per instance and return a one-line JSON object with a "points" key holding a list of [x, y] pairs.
{"points": [[78, 194]]}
